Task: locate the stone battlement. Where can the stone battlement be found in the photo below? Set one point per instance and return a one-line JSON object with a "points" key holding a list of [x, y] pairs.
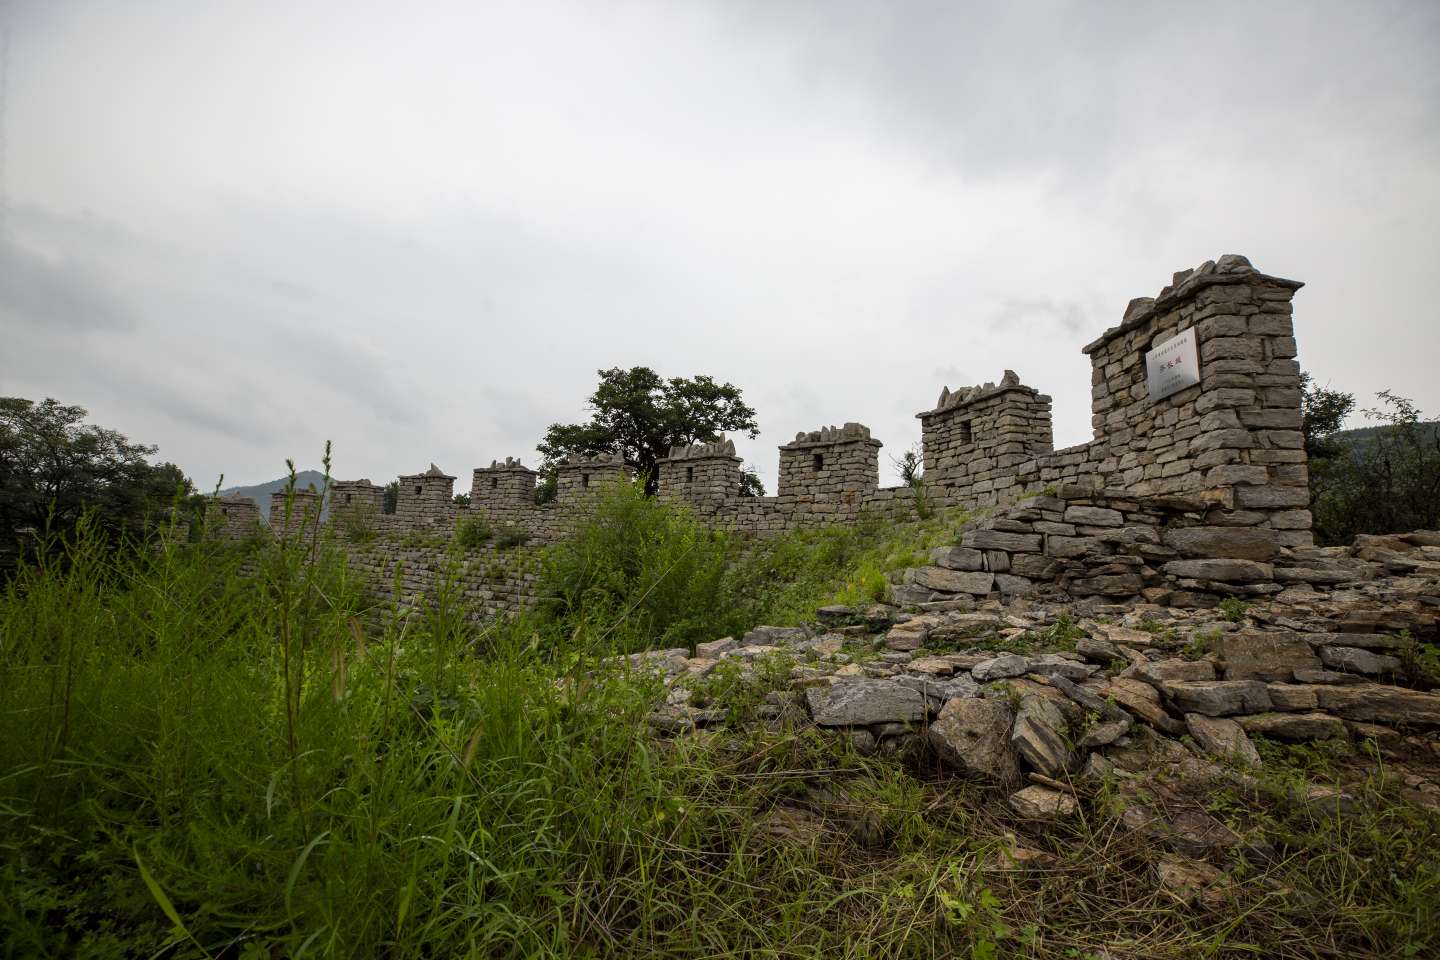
{"points": [[1226, 442]]}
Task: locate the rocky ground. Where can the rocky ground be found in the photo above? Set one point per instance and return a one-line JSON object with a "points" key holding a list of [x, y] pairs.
{"points": [[1163, 709]]}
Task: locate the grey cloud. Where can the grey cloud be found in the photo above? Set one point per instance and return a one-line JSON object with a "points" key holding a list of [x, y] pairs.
{"points": [[1040, 313], [60, 292]]}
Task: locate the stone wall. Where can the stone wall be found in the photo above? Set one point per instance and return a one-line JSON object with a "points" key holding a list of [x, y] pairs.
{"points": [[1224, 458]]}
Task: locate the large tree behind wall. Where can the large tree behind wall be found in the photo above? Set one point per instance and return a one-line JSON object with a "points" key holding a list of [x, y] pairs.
{"points": [[640, 415], [54, 467]]}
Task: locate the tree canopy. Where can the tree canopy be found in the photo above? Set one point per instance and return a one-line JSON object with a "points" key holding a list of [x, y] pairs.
{"points": [[54, 467], [1383, 479], [640, 415]]}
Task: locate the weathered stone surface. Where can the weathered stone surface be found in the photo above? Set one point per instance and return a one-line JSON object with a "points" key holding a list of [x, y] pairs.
{"points": [[773, 636], [1104, 733], [1043, 803], [1010, 585], [1094, 516], [1223, 738], [1114, 585], [1054, 665], [1294, 727], [1039, 737], [1143, 700], [973, 735], [941, 689], [715, 648], [957, 558], [999, 540], [1001, 667], [1264, 655], [1376, 702], [1292, 696], [1240, 543], [1175, 670], [909, 635], [955, 581], [1193, 881], [1225, 571], [1355, 660], [1097, 651], [863, 702], [1218, 698]]}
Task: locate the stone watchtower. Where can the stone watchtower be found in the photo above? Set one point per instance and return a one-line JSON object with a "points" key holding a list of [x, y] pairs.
{"points": [[304, 510], [356, 500], [233, 517], [976, 437], [577, 476], [704, 475], [1232, 438], [426, 498], [830, 470], [503, 491]]}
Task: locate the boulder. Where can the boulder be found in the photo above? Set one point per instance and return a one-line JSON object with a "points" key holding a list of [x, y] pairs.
{"points": [[1105, 733], [1218, 698], [860, 702], [773, 636], [1223, 738], [973, 735], [940, 689]]}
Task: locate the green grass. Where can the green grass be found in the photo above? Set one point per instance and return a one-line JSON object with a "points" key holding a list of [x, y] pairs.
{"points": [[228, 751]]}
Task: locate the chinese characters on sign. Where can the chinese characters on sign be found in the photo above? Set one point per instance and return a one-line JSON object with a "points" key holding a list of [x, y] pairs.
{"points": [[1172, 366]]}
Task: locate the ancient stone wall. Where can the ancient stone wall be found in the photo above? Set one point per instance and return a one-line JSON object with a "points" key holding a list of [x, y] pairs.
{"points": [[1223, 458]]}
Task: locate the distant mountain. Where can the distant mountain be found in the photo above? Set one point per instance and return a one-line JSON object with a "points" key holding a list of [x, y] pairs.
{"points": [[261, 492], [1359, 434]]}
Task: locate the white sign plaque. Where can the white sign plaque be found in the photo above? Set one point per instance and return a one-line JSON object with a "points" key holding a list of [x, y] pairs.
{"points": [[1172, 366]]}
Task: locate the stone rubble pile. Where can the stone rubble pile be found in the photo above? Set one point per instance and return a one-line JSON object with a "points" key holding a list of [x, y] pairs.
{"points": [[1006, 688]]}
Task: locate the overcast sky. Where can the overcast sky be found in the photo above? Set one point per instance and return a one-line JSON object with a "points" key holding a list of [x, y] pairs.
{"points": [[239, 229]]}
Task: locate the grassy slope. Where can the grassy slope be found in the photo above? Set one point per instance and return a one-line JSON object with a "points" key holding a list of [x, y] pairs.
{"points": [[201, 763]]}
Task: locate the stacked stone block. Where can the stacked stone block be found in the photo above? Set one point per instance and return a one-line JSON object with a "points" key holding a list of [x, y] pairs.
{"points": [[580, 476], [426, 499], [233, 517], [504, 492], [976, 441], [1234, 438], [829, 471], [356, 501], [294, 512], [704, 475]]}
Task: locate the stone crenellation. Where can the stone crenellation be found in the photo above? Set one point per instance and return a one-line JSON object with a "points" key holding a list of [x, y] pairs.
{"points": [[1227, 452]]}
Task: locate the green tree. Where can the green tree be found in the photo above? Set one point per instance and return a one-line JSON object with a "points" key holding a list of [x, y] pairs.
{"points": [[639, 415], [391, 498], [54, 467], [1324, 412]]}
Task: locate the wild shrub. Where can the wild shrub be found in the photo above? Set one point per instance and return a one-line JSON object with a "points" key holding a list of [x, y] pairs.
{"points": [[472, 533], [638, 573]]}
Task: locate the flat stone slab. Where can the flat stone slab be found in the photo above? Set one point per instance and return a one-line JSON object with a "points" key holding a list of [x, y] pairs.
{"points": [[851, 703], [1218, 698]]}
